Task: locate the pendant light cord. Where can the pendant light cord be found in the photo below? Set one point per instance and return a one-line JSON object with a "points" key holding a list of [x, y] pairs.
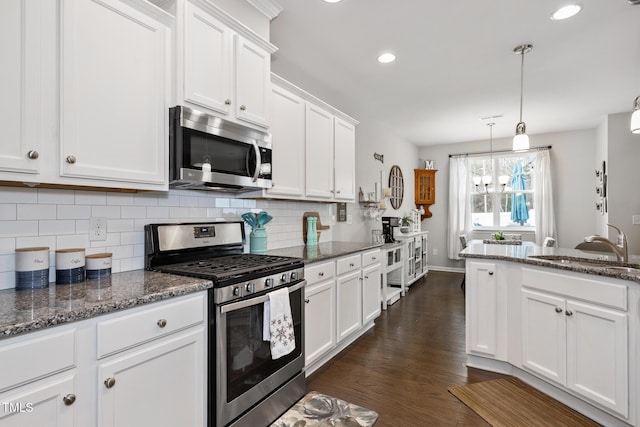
{"points": [[521, 83]]}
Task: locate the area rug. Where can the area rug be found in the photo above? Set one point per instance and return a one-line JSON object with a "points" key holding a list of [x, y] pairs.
{"points": [[319, 410], [508, 402]]}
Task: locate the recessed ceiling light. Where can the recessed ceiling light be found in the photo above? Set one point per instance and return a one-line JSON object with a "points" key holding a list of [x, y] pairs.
{"points": [[385, 58], [566, 12], [332, 1]]}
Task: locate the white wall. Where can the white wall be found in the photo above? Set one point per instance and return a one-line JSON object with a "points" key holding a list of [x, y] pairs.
{"points": [[572, 159], [59, 219], [602, 150]]}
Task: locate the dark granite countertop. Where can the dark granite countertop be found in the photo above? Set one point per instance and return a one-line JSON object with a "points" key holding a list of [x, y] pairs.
{"points": [[324, 251], [578, 260], [30, 310]]}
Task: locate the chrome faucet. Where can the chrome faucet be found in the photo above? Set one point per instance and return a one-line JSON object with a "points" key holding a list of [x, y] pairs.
{"points": [[621, 248]]}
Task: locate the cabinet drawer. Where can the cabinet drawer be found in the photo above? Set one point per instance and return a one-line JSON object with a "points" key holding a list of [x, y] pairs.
{"points": [[348, 264], [319, 272], [136, 328], [371, 257], [42, 356], [586, 289]]}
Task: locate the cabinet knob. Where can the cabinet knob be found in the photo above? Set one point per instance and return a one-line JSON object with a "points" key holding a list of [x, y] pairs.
{"points": [[242, 108], [569, 313], [321, 274], [110, 382], [374, 258], [227, 102], [71, 159], [351, 264], [162, 323], [307, 301], [33, 154], [491, 273], [558, 309], [366, 277], [69, 399]]}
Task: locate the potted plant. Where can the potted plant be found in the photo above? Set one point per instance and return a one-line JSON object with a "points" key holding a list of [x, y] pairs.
{"points": [[499, 235], [405, 223]]}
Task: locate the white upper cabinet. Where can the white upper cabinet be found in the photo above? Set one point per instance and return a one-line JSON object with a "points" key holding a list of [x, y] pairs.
{"points": [[344, 160], [319, 152], [222, 67], [287, 132], [27, 107], [114, 87]]}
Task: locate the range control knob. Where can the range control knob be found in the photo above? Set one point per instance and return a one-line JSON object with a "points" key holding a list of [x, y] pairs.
{"points": [[250, 288], [294, 275], [284, 278], [268, 282], [236, 291]]}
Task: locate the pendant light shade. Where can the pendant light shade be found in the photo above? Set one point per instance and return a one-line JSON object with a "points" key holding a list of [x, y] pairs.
{"points": [[635, 117], [521, 140]]}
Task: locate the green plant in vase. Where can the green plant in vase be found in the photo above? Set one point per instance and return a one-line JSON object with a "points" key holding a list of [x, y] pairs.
{"points": [[499, 235], [405, 223]]}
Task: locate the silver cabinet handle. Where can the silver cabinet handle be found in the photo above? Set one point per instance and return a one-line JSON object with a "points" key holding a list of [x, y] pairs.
{"points": [[569, 313], [227, 102], [69, 399], [558, 309], [162, 323], [321, 274], [71, 159], [33, 154], [491, 273], [109, 382], [242, 108]]}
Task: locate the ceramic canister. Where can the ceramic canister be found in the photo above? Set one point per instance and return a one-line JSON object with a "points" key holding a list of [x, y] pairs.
{"points": [[32, 268], [70, 266], [98, 266]]}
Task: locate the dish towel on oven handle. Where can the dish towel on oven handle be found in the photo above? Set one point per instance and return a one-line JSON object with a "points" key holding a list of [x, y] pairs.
{"points": [[278, 323]]}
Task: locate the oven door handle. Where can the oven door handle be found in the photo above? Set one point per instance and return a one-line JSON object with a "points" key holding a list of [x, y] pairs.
{"points": [[257, 300]]}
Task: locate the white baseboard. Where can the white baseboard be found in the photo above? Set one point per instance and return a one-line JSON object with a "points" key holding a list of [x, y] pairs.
{"points": [[449, 269]]}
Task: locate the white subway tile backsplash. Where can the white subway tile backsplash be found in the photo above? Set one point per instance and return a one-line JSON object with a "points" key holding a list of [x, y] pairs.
{"points": [[7, 280], [74, 212], [120, 199], [131, 238], [236, 203], [7, 262], [135, 263], [188, 201], [18, 228], [36, 211], [105, 211], [91, 197], [178, 213], [8, 245], [73, 241], [18, 195], [120, 225], [138, 250], [55, 196], [158, 212], [130, 212], [145, 199], [222, 203], [121, 252], [36, 241], [206, 202], [54, 227], [8, 212]]}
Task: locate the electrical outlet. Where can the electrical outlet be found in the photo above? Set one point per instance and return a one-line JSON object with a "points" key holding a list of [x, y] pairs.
{"points": [[98, 229], [635, 219], [435, 252], [349, 219]]}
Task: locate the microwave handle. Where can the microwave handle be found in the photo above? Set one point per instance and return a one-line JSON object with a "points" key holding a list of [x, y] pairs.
{"points": [[257, 300], [258, 160]]}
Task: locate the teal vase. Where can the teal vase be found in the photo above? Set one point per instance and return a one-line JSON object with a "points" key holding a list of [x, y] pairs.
{"points": [[258, 241], [312, 233]]}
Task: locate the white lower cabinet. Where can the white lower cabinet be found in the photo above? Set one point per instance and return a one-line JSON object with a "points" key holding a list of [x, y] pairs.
{"points": [[57, 376], [342, 301], [159, 384]]}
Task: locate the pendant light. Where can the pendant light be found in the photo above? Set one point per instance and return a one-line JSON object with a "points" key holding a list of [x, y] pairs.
{"points": [[521, 140], [488, 179], [635, 117]]}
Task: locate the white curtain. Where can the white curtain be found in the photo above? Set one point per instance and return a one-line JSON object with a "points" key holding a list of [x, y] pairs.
{"points": [[459, 204], [543, 199]]}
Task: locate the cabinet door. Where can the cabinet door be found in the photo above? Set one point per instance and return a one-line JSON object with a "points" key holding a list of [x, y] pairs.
{"points": [[253, 70], [114, 88], [544, 335], [207, 61], [287, 130], [371, 293], [161, 384], [41, 403], [319, 152], [320, 314], [482, 308], [23, 87], [597, 353], [349, 304], [344, 160]]}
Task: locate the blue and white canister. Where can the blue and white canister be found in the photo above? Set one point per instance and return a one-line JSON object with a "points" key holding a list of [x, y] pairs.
{"points": [[98, 266], [32, 268], [70, 265]]}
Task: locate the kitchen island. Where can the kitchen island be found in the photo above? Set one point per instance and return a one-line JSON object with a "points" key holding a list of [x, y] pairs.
{"points": [[563, 320]]}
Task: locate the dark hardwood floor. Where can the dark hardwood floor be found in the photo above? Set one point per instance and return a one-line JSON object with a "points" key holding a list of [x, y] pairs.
{"points": [[402, 367]]}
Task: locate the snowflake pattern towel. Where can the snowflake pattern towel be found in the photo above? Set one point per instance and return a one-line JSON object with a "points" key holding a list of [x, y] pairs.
{"points": [[278, 324]]}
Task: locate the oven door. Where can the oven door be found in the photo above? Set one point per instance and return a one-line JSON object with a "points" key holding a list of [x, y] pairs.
{"points": [[246, 373]]}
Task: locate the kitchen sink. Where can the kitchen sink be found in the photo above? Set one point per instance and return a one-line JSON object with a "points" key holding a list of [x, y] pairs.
{"points": [[592, 264]]}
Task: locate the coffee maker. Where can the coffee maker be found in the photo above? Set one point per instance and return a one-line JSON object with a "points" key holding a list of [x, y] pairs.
{"points": [[389, 223]]}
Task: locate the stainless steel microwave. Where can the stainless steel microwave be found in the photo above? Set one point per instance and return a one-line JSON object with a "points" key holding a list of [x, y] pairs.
{"points": [[210, 153]]}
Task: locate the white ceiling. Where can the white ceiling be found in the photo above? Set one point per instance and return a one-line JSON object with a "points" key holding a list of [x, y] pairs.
{"points": [[455, 63]]}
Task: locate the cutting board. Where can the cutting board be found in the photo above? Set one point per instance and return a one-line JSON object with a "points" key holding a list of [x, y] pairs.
{"points": [[319, 226]]}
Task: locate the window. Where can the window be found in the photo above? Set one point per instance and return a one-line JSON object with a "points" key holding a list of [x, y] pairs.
{"points": [[502, 191]]}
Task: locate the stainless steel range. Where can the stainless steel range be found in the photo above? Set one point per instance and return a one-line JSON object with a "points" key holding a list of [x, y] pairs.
{"points": [[247, 387]]}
